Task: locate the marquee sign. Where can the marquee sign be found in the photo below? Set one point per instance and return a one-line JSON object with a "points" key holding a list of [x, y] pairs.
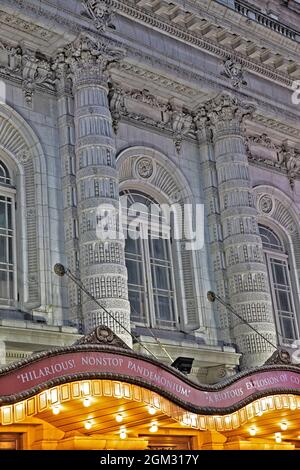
{"points": [[48, 369]]}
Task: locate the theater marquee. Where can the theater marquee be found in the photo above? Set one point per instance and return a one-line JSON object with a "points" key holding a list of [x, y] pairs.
{"points": [[104, 389], [65, 366]]}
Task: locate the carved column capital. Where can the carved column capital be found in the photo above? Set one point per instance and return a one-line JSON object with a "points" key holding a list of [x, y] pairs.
{"points": [[226, 114], [90, 58]]}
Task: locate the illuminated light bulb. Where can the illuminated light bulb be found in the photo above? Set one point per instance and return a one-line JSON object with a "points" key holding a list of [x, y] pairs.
{"points": [[283, 425], [56, 410], [153, 427], [278, 438], [252, 431], [88, 424], [87, 402], [123, 433], [151, 410], [119, 418]]}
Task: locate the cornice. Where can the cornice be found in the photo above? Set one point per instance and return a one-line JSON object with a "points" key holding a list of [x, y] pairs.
{"points": [[76, 23], [195, 40]]}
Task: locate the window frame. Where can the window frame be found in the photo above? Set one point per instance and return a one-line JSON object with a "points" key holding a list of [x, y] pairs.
{"points": [[161, 231], [8, 190], [281, 254]]}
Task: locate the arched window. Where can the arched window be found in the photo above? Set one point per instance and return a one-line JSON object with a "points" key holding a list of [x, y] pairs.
{"points": [[149, 262], [280, 285]]}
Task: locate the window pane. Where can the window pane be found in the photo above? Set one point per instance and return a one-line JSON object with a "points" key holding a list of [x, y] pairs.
{"points": [[9, 215], [284, 303], [3, 249], [2, 214], [279, 274], [10, 251], [164, 308], [132, 245], [160, 276], [288, 328], [269, 239], [137, 304], [135, 273], [11, 285], [3, 285], [158, 248], [279, 269]]}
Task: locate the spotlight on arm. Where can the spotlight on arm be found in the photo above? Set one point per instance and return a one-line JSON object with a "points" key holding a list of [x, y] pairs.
{"points": [[184, 364], [59, 269], [211, 296]]}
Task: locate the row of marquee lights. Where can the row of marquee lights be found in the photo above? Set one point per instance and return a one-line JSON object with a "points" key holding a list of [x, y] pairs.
{"points": [[277, 436], [88, 390], [88, 424], [87, 401]]}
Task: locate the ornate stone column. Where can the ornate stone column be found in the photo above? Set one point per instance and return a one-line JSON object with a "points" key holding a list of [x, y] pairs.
{"points": [[101, 261], [246, 271]]}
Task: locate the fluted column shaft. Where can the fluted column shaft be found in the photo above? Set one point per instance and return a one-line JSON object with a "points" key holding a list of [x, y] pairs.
{"points": [[248, 290], [102, 260]]}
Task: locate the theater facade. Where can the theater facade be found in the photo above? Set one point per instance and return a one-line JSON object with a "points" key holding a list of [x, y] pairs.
{"points": [[191, 106]]}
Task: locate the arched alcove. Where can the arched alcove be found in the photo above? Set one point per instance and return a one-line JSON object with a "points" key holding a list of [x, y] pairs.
{"points": [[21, 150], [151, 172]]}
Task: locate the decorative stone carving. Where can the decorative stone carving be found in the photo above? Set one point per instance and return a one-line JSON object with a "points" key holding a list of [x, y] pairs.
{"points": [[24, 156], [262, 140], [175, 197], [228, 108], [36, 70], [144, 167], [202, 128], [14, 55], [144, 96], [181, 123], [31, 212], [117, 106], [279, 357], [86, 52], [234, 71], [31, 67], [102, 335], [290, 159], [265, 204], [119, 101], [101, 13]]}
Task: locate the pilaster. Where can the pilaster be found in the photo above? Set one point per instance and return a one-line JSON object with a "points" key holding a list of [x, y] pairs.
{"points": [[212, 211], [65, 108]]}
